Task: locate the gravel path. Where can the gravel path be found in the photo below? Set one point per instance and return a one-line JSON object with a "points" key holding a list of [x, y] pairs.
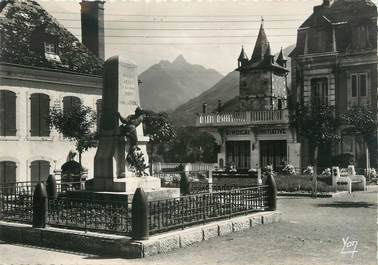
{"points": [[311, 232]]}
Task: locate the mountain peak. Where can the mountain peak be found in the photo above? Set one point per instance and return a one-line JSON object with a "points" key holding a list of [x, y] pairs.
{"points": [[180, 60]]}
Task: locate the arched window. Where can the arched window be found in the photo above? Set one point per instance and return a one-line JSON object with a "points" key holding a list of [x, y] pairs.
{"points": [[7, 172], [7, 113], [99, 113], [39, 170], [70, 102], [40, 107]]}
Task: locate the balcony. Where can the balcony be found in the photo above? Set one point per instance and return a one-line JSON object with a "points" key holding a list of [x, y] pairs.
{"points": [[243, 118]]}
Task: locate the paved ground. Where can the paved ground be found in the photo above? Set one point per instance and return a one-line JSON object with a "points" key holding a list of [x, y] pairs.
{"points": [[311, 232]]}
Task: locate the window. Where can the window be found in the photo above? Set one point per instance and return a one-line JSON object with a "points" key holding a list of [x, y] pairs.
{"points": [[319, 91], [49, 48], [238, 153], [7, 113], [40, 106], [39, 170], [99, 113], [70, 102], [359, 85], [7, 172]]}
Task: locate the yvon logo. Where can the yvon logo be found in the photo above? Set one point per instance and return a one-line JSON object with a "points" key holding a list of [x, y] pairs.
{"points": [[349, 246]]}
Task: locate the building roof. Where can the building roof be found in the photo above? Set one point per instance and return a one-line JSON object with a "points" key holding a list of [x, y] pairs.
{"points": [[341, 11], [243, 55], [341, 15], [19, 19], [260, 46], [281, 59]]}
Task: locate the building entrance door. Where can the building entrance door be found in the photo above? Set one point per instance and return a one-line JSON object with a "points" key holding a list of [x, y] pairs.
{"points": [[273, 153], [239, 154]]}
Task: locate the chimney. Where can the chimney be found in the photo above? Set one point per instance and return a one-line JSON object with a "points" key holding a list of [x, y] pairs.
{"points": [[326, 3], [204, 108], [92, 26]]}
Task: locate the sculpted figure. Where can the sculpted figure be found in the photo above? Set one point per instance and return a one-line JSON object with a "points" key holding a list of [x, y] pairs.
{"points": [[128, 130]]}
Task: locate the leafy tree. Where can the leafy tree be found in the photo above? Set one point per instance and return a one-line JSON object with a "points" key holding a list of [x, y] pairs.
{"points": [[363, 121], [158, 127], [76, 125], [190, 145], [318, 125]]}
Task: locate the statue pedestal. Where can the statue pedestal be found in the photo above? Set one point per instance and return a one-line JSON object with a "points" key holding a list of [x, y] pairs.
{"points": [[98, 187]]}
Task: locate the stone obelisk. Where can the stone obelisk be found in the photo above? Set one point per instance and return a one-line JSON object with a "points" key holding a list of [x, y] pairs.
{"points": [[120, 94]]}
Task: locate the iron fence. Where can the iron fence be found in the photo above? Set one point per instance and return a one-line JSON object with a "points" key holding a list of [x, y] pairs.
{"points": [[16, 204], [201, 208], [90, 215]]}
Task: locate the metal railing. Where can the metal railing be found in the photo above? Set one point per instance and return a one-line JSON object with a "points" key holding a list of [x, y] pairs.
{"points": [[90, 215], [17, 204], [201, 208], [245, 118], [210, 202]]}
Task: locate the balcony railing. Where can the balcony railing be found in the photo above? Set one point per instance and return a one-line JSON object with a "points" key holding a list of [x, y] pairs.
{"points": [[243, 118]]}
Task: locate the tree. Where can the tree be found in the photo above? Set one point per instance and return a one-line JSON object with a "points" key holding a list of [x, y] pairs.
{"points": [[318, 125], [158, 127], [190, 145], [76, 125], [363, 121]]}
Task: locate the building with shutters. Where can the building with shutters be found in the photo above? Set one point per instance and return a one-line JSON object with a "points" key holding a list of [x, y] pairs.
{"points": [[335, 62], [253, 130], [41, 64]]}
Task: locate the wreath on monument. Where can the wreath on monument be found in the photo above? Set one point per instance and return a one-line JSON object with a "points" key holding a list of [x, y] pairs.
{"points": [[137, 162]]}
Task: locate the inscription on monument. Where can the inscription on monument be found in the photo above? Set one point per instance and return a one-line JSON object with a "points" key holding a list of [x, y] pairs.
{"points": [[128, 86]]}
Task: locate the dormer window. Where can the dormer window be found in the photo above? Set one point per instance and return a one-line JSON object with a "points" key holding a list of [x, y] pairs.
{"points": [[45, 43], [50, 48]]}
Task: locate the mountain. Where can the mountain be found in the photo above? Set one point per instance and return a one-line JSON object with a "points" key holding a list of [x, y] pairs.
{"points": [[167, 85], [225, 90]]}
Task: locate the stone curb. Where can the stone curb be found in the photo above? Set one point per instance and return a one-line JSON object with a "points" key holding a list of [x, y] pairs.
{"points": [[322, 195], [121, 246]]}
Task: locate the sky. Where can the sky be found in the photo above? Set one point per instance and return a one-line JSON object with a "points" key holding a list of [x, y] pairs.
{"points": [[205, 32]]}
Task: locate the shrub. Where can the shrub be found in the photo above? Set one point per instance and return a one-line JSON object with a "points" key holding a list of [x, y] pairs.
{"points": [[309, 170], [288, 170], [301, 183], [326, 172]]}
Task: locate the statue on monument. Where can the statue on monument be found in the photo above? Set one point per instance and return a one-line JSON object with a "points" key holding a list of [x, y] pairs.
{"points": [[128, 129]]}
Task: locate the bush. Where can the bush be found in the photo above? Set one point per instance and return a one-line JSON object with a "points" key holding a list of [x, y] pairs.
{"points": [[288, 170], [301, 183], [343, 160]]}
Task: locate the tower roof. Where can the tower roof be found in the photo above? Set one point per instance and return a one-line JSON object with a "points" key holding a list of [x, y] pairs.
{"points": [[281, 59], [260, 46], [243, 55]]}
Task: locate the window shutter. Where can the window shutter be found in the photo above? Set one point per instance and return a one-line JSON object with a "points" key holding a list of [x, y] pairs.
{"points": [[2, 172], [2, 113], [44, 112], [66, 104], [34, 111], [34, 171], [10, 113], [99, 114], [39, 170], [10, 171], [70, 102], [44, 170]]}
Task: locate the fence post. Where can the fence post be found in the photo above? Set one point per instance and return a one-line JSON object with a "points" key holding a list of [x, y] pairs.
{"points": [[139, 215], [51, 189], [271, 192], [184, 184], [40, 206], [314, 185], [210, 180]]}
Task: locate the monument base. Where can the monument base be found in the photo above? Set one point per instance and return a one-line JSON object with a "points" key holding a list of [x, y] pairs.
{"points": [[117, 189], [152, 195], [128, 184]]}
